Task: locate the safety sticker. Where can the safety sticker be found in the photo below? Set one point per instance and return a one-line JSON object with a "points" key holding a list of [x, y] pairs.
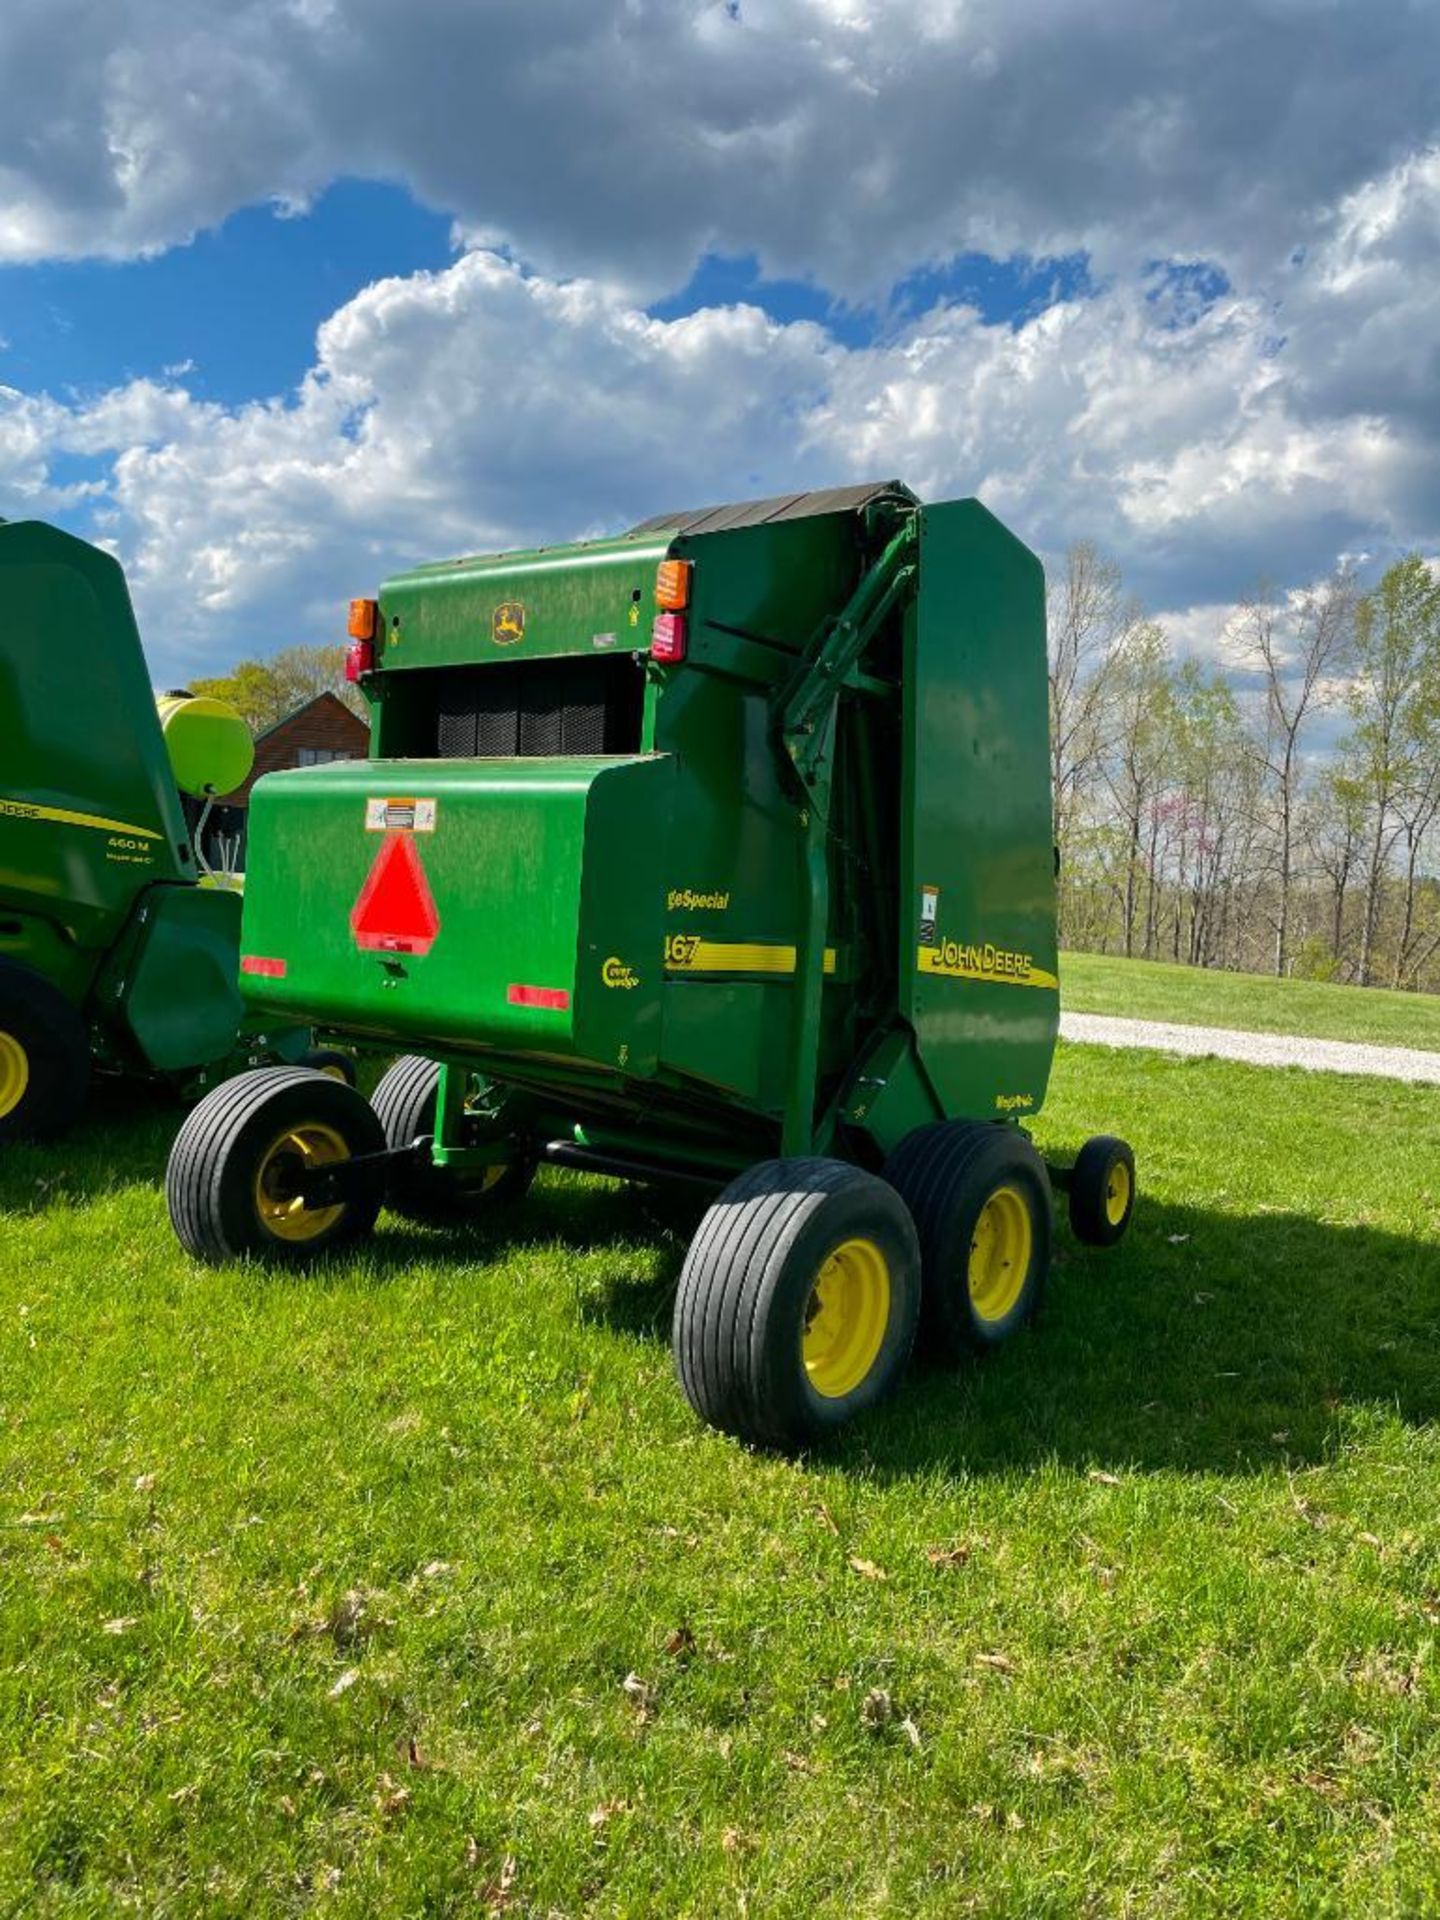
{"points": [[604, 640], [400, 816], [929, 907]]}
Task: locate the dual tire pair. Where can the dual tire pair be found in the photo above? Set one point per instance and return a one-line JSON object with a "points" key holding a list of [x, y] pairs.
{"points": [[235, 1182], [809, 1280]]}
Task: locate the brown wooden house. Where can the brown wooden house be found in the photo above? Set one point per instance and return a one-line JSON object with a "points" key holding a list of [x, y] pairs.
{"points": [[323, 729]]}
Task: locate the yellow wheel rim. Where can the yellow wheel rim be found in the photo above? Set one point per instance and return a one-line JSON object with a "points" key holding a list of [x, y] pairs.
{"points": [[14, 1073], [1117, 1192], [1000, 1253], [279, 1206], [493, 1176], [332, 1070], [846, 1317]]}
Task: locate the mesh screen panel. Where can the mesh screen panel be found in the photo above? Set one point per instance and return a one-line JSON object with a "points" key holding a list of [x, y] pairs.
{"points": [[539, 707]]}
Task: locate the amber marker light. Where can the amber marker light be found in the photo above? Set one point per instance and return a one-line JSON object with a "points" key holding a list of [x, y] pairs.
{"points": [[672, 585]]}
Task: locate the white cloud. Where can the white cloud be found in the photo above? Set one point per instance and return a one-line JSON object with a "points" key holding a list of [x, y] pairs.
{"points": [[484, 406], [845, 139]]}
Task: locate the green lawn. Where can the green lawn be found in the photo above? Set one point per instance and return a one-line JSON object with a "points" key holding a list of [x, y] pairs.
{"points": [[1254, 1002], [413, 1587]]}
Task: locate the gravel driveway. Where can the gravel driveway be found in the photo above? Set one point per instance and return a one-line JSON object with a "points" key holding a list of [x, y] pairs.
{"points": [[1263, 1049]]}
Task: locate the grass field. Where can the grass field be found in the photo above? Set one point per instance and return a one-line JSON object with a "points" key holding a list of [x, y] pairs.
{"points": [[1256, 1003], [414, 1588]]}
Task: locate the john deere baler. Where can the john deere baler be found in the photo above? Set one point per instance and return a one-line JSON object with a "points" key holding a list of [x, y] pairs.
{"points": [[111, 953], [720, 851]]}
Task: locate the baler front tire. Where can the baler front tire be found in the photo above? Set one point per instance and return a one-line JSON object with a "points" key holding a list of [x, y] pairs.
{"points": [[44, 1057], [404, 1104], [980, 1198], [230, 1180], [798, 1300], [1102, 1191]]}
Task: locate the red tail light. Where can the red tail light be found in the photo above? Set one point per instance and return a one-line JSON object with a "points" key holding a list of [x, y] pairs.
{"points": [[667, 638], [359, 658]]}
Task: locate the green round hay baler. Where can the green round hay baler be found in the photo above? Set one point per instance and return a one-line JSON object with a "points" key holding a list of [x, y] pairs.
{"points": [[720, 852]]}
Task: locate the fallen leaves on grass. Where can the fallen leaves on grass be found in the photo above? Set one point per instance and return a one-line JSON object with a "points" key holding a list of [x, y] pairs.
{"points": [[1103, 1479], [640, 1693], [797, 1762], [347, 1621], [121, 1624], [345, 1682], [680, 1644], [877, 1709], [867, 1569], [390, 1797], [606, 1811], [499, 1894], [826, 1518], [956, 1556], [995, 1662]]}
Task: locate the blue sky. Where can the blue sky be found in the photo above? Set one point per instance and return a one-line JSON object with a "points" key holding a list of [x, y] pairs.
{"points": [[1162, 279], [237, 308]]}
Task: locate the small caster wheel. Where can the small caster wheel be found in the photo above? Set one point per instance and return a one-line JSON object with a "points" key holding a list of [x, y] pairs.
{"points": [[1102, 1191]]}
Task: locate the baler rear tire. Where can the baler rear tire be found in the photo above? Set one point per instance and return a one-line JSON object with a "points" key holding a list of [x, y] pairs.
{"points": [[980, 1198], [404, 1104], [332, 1062], [226, 1201], [797, 1303], [1102, 1191], [44, 1057]]}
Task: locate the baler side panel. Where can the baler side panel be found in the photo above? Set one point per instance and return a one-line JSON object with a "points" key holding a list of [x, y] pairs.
{"points": [[978, 960], [89, 814], [170, 984], [735, 859]]}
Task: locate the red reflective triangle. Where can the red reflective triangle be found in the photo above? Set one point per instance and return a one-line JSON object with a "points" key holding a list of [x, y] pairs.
{"points": [[395, 912]]}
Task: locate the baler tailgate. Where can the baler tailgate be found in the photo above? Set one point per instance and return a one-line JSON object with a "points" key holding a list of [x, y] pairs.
{"points": [[503, 904]]}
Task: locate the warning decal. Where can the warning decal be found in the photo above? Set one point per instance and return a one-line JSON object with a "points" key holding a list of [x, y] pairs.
{"points": [[399, 816], [396, 911]]}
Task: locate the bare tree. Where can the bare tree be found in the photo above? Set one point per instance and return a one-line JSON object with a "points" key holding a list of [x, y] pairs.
{"points": [[1134, 764], [1336, 831], [1088, 615], [1397, 634], [1300, 647]]}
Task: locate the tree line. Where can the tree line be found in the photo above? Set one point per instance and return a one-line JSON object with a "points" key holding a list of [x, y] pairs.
{"points": [[1277, 811], [266, 691]]}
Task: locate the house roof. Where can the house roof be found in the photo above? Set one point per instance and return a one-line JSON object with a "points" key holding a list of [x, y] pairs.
{"points": [[308, 706]]}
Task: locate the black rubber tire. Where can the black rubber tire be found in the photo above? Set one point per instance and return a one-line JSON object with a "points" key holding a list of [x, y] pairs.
{"points": [[1090, 1190], [55, 1042], [332, 1061], [745, 1288], [945, 1173], [210, 1183], [404, 1104]]}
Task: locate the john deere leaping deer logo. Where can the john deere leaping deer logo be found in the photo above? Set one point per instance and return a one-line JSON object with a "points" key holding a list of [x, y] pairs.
{"points": [[507, 623]]}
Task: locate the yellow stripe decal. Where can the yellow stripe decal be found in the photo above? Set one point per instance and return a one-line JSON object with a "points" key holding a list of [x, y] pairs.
{"points": [[997, 965], [684, 953], [26, 810]]}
